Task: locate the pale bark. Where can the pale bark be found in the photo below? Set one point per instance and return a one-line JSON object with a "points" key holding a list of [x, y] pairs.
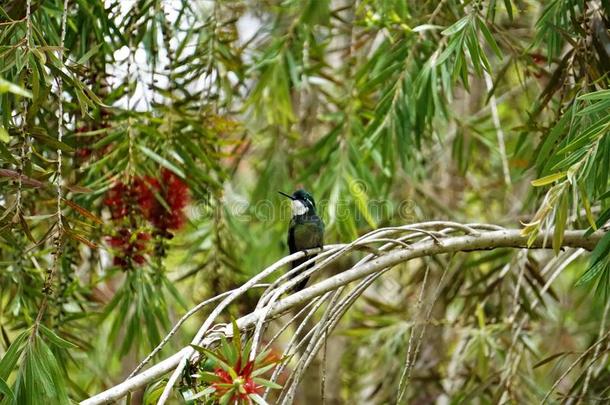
{"points": [[480, 240]]}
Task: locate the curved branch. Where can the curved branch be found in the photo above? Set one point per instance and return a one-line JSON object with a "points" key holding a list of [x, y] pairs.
{"points": [[483, 240]]}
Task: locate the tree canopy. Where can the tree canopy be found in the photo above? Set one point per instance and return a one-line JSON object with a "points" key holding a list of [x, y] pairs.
{"points": [[464, 145]]}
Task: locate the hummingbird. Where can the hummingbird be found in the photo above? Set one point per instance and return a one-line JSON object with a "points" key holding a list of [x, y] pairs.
{"points": [[306, 229]]}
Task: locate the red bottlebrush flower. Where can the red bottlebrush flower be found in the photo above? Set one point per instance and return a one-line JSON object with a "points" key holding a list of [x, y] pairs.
{"points": [[83, 153], [161, 201], [170, 190], [244, 383], [252, 388], [538, 59], [223, 375], [177, 196], [145, 189], [130, 248], [118, 200], [234, 377]]}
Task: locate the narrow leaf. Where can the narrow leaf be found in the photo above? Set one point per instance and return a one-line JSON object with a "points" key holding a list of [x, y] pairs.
{"points": [[543, 181], [55, 339], [6, 86], [162, 161], [83, 211]]}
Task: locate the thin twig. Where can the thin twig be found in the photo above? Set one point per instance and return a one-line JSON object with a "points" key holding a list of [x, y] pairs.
{"points": [[407, 362], [602, 327], [422, 331], [573, 365], [58, 180], [513, 356], [181, 321], [499, 131], [310, 352], [278, 370], [289, 322], [323, 377]]}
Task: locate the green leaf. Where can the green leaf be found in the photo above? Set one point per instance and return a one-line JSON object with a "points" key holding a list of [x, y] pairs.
{"points": [[267, 383], [601, 220], [489, 38], [476, 54], [543, 181], [236, 335], [551, 138], [561, 219], [153, 392], [598, 261], [55, 339], [190, 396], [6, 86], [6, 154], [40, 379], [89, 54], [587, 204], [219, 362], [40, 134], [449, 50], [209, 377], [10, 358], [358, 192], [171, 288], [601, 250], [4, 137], [426, 27], [162, 161], [261, 356], [258, 399], [457, 26], [596, 95], [604, 195], [315, 12], [263, 370], [229, 351], [226, 398], [550, 358], [6, 390], [246, 350], [509, 9]]}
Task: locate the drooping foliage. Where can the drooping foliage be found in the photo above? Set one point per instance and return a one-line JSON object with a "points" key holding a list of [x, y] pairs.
{"points": [[142, 144]]}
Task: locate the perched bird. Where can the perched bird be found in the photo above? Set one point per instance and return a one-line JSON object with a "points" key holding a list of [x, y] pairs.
{"points": [[306, 229]]}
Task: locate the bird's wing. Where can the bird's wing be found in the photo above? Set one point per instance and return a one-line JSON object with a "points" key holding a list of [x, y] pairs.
{"points": [[322, 233], [291, 243]]}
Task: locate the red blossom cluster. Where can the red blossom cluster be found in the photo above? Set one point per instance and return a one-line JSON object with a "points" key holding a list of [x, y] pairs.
{"points": [[118, 199], [169, 189], [132, 245], [234, 378], [244, 380], [161, 201]]}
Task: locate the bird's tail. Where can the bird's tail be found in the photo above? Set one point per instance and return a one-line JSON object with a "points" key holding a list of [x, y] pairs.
{"points": [[302, 284]]}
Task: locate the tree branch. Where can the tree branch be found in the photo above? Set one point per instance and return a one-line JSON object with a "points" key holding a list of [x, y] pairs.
{"points": [[482, 239]]}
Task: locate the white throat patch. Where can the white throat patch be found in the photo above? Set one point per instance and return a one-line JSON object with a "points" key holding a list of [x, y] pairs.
{"points": [[298, 208]]}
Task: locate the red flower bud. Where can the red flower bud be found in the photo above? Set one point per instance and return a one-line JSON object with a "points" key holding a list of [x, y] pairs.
{"points": [[129, 249]]}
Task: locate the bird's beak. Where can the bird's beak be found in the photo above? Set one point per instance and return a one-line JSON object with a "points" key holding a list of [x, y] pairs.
{"points": [[286, 195]]}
